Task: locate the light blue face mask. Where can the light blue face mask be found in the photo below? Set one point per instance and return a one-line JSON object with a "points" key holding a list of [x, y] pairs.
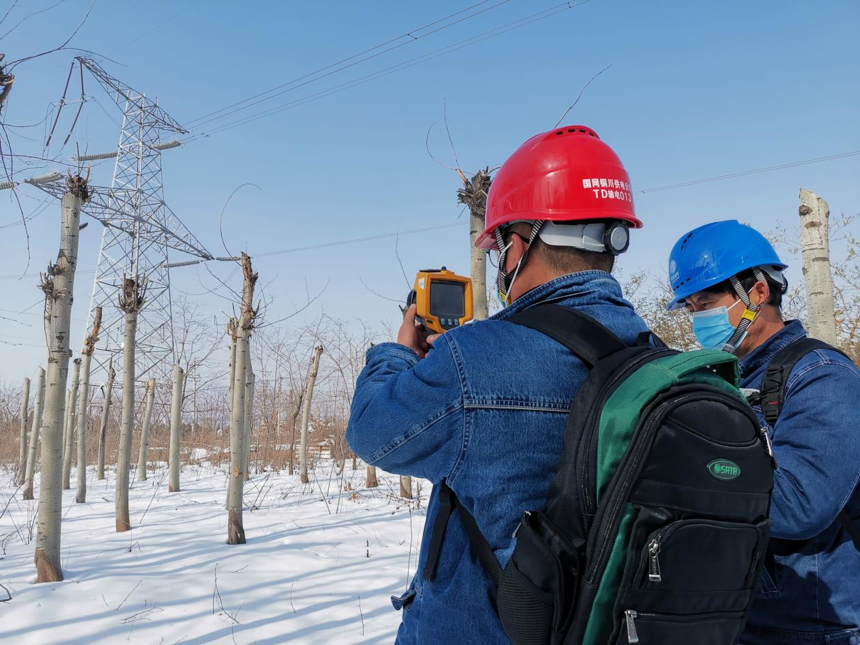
{"points": [[712, 327]]}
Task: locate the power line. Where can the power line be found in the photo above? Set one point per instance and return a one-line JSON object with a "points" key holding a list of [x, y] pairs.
{"points": [[426, 229], [744, 173], [442, 51], [357, 240], [410, 37]]}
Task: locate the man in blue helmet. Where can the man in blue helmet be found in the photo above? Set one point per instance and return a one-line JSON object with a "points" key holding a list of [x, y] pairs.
{"points": [[730, 280]]}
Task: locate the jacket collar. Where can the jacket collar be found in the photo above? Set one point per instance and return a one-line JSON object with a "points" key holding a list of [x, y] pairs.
{"points": [[583, 288], [764, 353]]}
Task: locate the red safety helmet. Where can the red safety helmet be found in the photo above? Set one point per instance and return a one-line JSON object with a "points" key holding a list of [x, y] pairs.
{"points": [[564, 175]]}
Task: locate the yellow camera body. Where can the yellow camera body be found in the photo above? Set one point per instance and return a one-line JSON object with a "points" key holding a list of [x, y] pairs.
{"points": [[443, 299]]}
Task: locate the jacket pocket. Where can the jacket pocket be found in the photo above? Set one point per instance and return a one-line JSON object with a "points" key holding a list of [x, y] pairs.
{"points": [[768, 582], [538, 586], [667, 629]]}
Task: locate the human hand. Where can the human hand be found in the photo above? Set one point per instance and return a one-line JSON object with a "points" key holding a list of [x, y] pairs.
{"points": [[413, 335]]}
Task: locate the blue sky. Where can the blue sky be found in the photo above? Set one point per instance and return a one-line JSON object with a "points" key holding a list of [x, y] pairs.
{"points": [[695, 90]]}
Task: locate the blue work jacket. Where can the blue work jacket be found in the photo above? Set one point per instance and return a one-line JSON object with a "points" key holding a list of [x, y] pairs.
{"points": [[485, 411], [810, 590]]}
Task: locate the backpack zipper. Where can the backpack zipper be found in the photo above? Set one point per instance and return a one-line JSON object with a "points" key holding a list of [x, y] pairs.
{"points": [[768, 445], [654, 561], [632, 635]]}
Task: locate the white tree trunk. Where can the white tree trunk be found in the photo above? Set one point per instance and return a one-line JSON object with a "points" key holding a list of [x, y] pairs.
{"points": [[406, 487], [144, 431], [103, 426], [232, 333], [21, 475], [83, 406], [235, 528], [372, 481], [35, 426], [175, 428], [240, 330], [478, 268], [815, 253], [194, 421], [61, 291], [126, 430], [248, 421], [81, 488], [71, 417], [66, 421], [306, 413]]}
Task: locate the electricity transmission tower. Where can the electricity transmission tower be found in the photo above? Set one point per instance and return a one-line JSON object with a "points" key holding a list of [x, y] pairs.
{"points": [[139, 228]]}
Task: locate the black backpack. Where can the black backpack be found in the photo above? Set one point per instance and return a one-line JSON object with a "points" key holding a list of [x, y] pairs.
{"points": [[655, 523], [772, 398]]}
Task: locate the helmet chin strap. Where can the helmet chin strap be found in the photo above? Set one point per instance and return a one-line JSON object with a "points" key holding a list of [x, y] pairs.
{"points": [[750, 314], [505, 281]]}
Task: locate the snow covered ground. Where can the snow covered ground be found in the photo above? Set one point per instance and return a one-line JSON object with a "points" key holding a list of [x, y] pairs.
{"points": [[320, 564]]}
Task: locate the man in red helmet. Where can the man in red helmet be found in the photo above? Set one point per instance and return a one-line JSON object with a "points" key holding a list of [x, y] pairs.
{"points": [[483, 408]]}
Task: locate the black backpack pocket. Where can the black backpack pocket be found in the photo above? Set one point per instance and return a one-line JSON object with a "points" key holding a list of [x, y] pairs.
{"points": [[538, 586], [693, 565], [647, 628], [698, 555]]}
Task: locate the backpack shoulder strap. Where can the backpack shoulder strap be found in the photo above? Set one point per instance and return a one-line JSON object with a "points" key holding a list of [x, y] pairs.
{"points": [[447, 503], [589, 341], [776, 376], [773, 397]]}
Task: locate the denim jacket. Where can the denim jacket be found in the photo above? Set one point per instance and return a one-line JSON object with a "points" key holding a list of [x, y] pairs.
{"points": [[486, 411], [813, 582]]}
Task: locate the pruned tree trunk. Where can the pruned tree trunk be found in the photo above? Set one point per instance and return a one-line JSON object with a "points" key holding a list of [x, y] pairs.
{"points": [[235, 528], [38, 404], [296, 414], [21, 475], [89, 349], [59, 285], [71, 417], [103, 426], [372, 481], [175, 428], [242, 332], [474, 196], [306, 413], [194, 423], [817, 274], [144, 431], [406, 487], [248, 421], [66, 421], [130, 302], [232, 332]]}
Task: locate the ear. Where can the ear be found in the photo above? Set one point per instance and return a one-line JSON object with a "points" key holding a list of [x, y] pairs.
{"points": [[515, 253], [760, 293]]}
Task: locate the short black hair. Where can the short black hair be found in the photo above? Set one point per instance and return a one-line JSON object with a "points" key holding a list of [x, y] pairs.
{"points": [[567, 259], [748, 279]]}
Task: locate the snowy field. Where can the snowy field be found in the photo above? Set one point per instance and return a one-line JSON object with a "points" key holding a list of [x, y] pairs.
{"points": [[320, 564]]}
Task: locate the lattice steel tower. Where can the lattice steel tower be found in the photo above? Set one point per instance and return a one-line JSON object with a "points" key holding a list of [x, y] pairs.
{"points": [[139, 229]]}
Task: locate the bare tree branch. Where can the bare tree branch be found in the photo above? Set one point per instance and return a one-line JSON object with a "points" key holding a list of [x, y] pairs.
{"points": [[581, 92]]}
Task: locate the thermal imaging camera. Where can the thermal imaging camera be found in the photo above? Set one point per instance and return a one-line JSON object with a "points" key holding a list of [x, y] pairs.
{"points": [[443, 299]]}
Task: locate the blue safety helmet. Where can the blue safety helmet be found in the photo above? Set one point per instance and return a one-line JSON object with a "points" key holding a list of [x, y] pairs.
{"points": [[713, 253]]}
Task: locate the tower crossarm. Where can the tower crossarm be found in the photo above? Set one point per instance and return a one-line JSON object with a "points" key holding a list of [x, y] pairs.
{"points": [[122, 93], [171, 231]]}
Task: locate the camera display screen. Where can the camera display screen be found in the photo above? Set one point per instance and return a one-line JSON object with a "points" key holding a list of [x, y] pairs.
{"points": [[447, 299]]}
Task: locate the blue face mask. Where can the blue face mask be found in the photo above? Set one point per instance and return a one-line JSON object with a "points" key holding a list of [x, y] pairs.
{"points": [[712, 327]]}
